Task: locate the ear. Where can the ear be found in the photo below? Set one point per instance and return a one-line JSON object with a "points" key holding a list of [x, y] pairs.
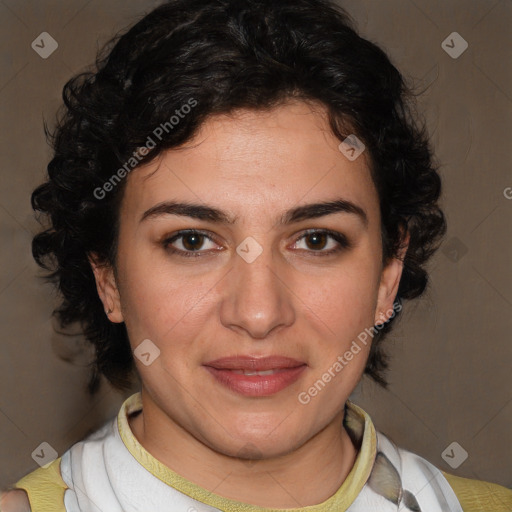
{"points": [[107, 288], [388, 287]]}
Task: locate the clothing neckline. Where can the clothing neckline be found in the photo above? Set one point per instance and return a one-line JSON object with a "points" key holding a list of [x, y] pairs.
{"points": [[357, 422]]}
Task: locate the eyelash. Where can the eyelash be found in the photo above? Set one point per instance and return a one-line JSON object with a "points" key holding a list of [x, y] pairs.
{"points": [[343, 242]]}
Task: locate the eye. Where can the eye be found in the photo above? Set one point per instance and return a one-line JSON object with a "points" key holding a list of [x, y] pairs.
{"points": [[189, 243], [323, 242]]}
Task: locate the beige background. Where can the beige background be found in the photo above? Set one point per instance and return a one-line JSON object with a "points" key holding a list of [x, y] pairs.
{"points": [[451, 373]]}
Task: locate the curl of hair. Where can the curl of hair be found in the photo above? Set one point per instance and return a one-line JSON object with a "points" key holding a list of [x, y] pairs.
{"points": [[225, 55]]}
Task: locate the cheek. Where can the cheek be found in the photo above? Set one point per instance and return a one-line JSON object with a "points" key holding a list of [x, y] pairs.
{"points": [[345, 299], [166, 307]]}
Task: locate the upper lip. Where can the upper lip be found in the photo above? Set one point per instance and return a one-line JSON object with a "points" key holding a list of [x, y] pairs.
{"points": [[254, 363]]}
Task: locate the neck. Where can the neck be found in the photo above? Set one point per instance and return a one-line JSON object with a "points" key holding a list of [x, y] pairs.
{"points": [[307, 476]]}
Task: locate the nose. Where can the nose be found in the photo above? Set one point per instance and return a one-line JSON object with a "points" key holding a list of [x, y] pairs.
{"points": [[257, 299]]}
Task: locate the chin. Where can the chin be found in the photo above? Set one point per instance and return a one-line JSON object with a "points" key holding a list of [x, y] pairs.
{"points": [[261, 444]]}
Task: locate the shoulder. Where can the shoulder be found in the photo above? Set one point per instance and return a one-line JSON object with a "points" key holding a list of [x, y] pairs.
{"points": [[460, 493], [42, 489], [478, 495], [15, 500]]}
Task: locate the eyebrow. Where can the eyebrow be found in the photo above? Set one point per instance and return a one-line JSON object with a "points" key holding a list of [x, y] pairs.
{"points": [[297, 214]]}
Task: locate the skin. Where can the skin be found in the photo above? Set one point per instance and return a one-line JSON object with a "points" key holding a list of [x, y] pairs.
{"points": [[14, 501], [290, 301]]}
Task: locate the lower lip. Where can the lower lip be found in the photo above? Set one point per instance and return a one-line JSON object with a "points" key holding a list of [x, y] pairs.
{"points": [[257, 385]]}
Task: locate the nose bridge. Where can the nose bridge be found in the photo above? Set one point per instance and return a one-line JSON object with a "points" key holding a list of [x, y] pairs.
{"points": [[257, 299], [260, 274]]}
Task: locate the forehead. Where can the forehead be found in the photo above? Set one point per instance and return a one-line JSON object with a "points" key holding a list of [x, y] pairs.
{"points": [[255, 160]]}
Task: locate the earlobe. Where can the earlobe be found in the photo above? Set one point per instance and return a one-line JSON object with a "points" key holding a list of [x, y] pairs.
{"points": [[107, 289]]}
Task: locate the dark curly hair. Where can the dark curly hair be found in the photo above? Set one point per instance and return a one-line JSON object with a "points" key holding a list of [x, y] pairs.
{"points": [[224, 55]]}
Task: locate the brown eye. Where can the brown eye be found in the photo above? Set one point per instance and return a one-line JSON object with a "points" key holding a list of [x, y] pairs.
{"points": [[323, 242], [193, 241], [317, 240], [190, 243]]}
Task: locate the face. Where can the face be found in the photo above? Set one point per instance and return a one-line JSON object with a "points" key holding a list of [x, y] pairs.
{"points": [[261, 281]]}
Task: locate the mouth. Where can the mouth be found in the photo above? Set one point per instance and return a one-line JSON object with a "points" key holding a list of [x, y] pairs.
{"points": [[256, 376]]}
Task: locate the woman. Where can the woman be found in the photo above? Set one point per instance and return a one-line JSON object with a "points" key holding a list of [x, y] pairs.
{"points": [[240, 201]]}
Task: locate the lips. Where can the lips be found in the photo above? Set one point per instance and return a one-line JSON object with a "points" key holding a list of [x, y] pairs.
{"points": [[256, 376]]}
